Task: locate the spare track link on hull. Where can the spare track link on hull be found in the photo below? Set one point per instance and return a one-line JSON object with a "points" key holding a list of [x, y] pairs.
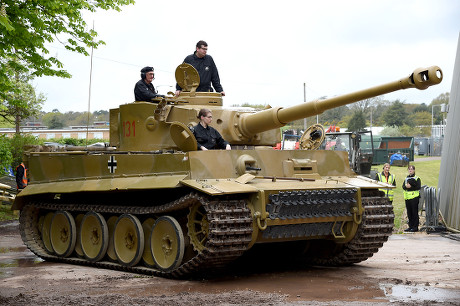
{"points": [[376, 227], [229, 233]]}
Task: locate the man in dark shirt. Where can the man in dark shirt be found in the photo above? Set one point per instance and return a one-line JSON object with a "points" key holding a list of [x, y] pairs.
{"points": [[206, 68], [144, 90]]}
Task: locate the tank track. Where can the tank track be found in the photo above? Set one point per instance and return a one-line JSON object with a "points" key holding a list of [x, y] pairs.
{"points": [[311, 203], [376, 227], [230, 232]]}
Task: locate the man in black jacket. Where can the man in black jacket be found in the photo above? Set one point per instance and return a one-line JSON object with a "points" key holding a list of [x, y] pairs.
{"points": [[144, 90], [206, 68]]}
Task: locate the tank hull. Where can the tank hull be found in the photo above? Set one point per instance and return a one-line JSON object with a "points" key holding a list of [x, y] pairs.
{"points": [[181, 214]]}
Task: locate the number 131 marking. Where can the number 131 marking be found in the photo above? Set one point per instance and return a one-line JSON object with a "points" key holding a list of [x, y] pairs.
{"points": [[129, 129]]}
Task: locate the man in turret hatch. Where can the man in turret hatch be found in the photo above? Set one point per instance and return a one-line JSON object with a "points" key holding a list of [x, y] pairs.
{"points": [[206, 68], [144, 90]]}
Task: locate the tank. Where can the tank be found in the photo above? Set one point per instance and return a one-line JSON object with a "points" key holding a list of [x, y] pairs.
{"points": [[149, 202]]}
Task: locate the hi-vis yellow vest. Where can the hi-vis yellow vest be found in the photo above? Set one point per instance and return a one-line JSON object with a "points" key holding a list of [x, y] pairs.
{"points": [[408, 195], [388, 192]]}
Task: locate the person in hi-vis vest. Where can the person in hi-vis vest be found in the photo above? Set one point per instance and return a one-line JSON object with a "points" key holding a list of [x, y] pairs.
{"points": [[411, 186], [21, 176], [386, 177]]}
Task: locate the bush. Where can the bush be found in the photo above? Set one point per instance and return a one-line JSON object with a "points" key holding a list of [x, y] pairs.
{"points": [[6, 158], [75, 142], [17, 146]]}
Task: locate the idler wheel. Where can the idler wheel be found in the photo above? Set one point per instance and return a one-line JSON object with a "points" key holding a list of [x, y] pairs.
{"points": [[167, 243], [147, 256], [111, 249], [63, 233], [94, 236], [45, 231], [128, 240], [198, 227]]}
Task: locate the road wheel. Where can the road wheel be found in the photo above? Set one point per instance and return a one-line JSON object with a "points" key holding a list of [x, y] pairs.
{"points": [[45, 230], [63, 233], [167, 243], [78, 249], [147, 256], [128, 240], [111, 225], [94, 236]]}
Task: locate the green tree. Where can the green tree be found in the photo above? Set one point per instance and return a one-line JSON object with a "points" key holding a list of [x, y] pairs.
{"points": [[357, 121], [422, 108], [27, 26], [441, 99], [53, 120], [17, 105], [421, 118], [17, 144], [6, 157], [395, 115], [392, 131], [378, 109], [84, 119], [334, 115]]}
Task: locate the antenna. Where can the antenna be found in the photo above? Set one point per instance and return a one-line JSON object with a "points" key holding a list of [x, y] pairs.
{"points": [[89, 92]]}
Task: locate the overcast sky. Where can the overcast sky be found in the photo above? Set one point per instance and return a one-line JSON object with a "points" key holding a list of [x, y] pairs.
{"points": [[265, 50]]}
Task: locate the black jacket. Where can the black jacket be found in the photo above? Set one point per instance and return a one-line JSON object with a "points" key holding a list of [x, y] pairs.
{"points": [[144, 91], [415, 184], [208, 137], [208, 73]]}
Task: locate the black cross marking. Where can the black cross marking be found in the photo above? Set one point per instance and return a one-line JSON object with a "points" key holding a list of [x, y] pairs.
{"points": [[112, 164]]}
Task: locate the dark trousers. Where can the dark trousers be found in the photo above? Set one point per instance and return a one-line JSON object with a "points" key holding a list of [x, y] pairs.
{"points": [[412, 212]]}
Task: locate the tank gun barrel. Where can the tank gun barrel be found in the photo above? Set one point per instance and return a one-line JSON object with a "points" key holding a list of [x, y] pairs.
{"points": [[251, 124]]}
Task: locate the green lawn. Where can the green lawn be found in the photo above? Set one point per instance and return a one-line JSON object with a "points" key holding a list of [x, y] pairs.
{"points": [[428, 171]]}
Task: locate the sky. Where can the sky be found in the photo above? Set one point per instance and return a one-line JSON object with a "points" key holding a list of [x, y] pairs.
{"points": [[264, 50]]}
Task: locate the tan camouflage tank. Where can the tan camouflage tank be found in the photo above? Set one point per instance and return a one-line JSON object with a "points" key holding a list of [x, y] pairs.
{"points": [[151, 203]]}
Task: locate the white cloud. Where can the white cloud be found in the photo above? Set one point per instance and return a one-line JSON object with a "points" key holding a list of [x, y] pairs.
{"points": [[265, 50]]}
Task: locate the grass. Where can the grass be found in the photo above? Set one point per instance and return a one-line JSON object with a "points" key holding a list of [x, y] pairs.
{"points": [[427, 170], [7, 214]]}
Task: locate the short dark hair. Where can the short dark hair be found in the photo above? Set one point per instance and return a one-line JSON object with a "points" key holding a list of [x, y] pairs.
{"points": [[411, 166], [201, 43]]}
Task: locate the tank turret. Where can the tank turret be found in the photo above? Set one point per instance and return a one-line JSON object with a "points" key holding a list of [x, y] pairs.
{"points": [[145, 126]]}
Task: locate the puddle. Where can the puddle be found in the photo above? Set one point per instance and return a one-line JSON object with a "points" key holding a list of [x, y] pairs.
{"points": [[12, 250], [403, 293], [20, 262]]}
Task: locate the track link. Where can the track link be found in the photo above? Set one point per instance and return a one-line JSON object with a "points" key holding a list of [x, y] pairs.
{"points": [[376, 227], [229, 236]]}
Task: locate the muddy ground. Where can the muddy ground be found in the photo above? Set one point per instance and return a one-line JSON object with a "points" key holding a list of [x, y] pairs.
{"points": [[418, 269]]}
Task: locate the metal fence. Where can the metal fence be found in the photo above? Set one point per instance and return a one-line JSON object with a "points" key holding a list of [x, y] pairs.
{"points": [[429, 201]]}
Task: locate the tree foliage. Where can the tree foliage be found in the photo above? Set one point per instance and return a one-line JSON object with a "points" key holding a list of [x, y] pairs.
{"points": [[21, 103], [53, 120], [17, 144], [434, 107], [395, 115], [6, 157], [357, 122], [27, 25]]}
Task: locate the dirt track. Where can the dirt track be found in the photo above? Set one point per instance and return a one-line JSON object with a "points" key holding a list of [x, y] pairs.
{"points": [[412, 268]]}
